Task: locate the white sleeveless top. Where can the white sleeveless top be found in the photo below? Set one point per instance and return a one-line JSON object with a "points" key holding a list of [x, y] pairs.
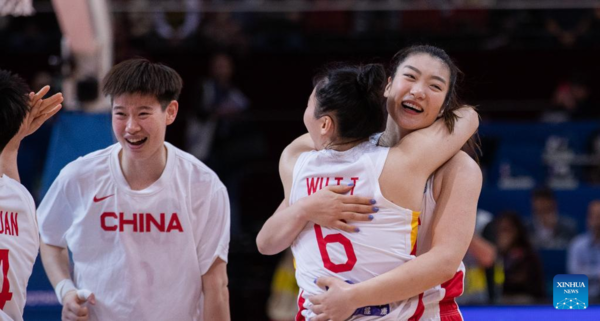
{"points": [[439, 301], [380, 246]]}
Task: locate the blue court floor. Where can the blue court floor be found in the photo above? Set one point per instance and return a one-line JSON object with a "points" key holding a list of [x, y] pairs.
{"points": [[475, 313]]}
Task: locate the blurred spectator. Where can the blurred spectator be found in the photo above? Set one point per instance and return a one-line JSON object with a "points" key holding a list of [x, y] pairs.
{"points": [[592, 170], [219, 102], [219, 133], [176, 27], [523, 277], [571, 101], [568, 26], [282, 304], [480, 257], [584, 252], [222, 32], [549, 230]]}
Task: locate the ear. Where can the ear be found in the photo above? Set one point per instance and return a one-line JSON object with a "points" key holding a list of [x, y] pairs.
{"points": [[441, 112], [326, 125], [388, 88], [171, 111]]}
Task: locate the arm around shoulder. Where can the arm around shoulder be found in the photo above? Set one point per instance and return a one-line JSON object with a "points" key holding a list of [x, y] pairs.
{"points": [[432, 146]]}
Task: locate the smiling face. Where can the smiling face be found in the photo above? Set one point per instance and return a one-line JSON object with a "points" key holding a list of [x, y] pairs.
{"points": [[417, 92], [140, 124]]}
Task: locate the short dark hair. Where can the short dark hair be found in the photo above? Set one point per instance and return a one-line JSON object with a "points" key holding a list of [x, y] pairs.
{"points": [[451, 101], [353, 95], [143, 77], [14, 106]]}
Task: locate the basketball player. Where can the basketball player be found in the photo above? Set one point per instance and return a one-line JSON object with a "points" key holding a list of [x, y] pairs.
{"points": [[449, 204], [147, 224], [20, 115], [372, 171]]}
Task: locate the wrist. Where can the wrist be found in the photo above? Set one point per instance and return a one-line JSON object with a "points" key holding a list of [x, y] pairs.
{"points": [[63, 288], [302, 211], [355, 300]]}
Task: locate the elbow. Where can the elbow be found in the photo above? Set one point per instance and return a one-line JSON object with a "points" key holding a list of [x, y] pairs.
{"points": [[448, 268], [264, 247]]}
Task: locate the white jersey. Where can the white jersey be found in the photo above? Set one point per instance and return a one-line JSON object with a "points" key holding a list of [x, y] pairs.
{"points": [[380, 246], [142, 253], [19, 246], [438, 302]]}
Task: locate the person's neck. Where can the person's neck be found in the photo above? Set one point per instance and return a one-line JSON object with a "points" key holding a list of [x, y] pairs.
{"points": [[140, 174], [392, 134], [344, 146]]}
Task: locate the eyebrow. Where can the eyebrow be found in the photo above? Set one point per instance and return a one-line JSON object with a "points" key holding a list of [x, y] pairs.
{"points": [[420, 73], [139, 107]]}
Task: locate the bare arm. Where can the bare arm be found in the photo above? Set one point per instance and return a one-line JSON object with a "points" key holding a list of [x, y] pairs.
{"points": [[41, 110], [328, 207], [216, 294], [429, 148], [56, 262], [455, 211]]}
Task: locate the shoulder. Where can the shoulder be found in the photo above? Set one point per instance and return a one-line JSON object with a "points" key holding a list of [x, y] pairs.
{"points": [[290, 154], [188, 166], [460, 166], [580, 242], [17, 188], [89, 163]]}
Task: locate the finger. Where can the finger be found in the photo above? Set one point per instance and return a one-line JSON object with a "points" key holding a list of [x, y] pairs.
{"points": [[52, 101], [340, 189], [83, 312], [316, 309], [92, 299], [357, 217], [364, 209], [342, 226], [39, 95], [321, 317], [360, 200], [40, 119], [315, 299], [69, 315], [325, 282], [43, 91]]}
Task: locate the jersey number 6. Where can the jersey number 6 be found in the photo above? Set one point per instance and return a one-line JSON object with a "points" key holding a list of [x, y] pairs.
{"points": [[5, 295], [335, 238]]}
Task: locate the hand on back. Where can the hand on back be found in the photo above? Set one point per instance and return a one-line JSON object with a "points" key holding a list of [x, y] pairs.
{"points": [[331, 207]]}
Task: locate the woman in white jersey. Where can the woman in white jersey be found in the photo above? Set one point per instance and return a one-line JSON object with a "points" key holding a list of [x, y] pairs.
{"points": [[447, 225], [350, 158], [20, 116]]}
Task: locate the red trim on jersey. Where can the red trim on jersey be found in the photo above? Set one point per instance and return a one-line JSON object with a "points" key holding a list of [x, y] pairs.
{"points": [[419, 311], [448, 307], [414, 249], [299, 316]]}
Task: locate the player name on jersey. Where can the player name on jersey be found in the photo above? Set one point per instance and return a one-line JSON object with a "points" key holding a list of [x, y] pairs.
{"points": [[140, 222], [9, 224], [314, 184]]}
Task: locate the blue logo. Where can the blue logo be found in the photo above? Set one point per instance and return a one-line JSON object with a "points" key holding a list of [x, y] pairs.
{"points": [[570, 291]]}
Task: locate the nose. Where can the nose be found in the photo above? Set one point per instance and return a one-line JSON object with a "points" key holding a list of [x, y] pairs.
{"points": [[417, 91], [132, 125]]}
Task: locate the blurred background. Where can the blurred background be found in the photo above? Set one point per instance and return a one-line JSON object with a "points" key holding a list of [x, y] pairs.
{"points": [[531, 67]]}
